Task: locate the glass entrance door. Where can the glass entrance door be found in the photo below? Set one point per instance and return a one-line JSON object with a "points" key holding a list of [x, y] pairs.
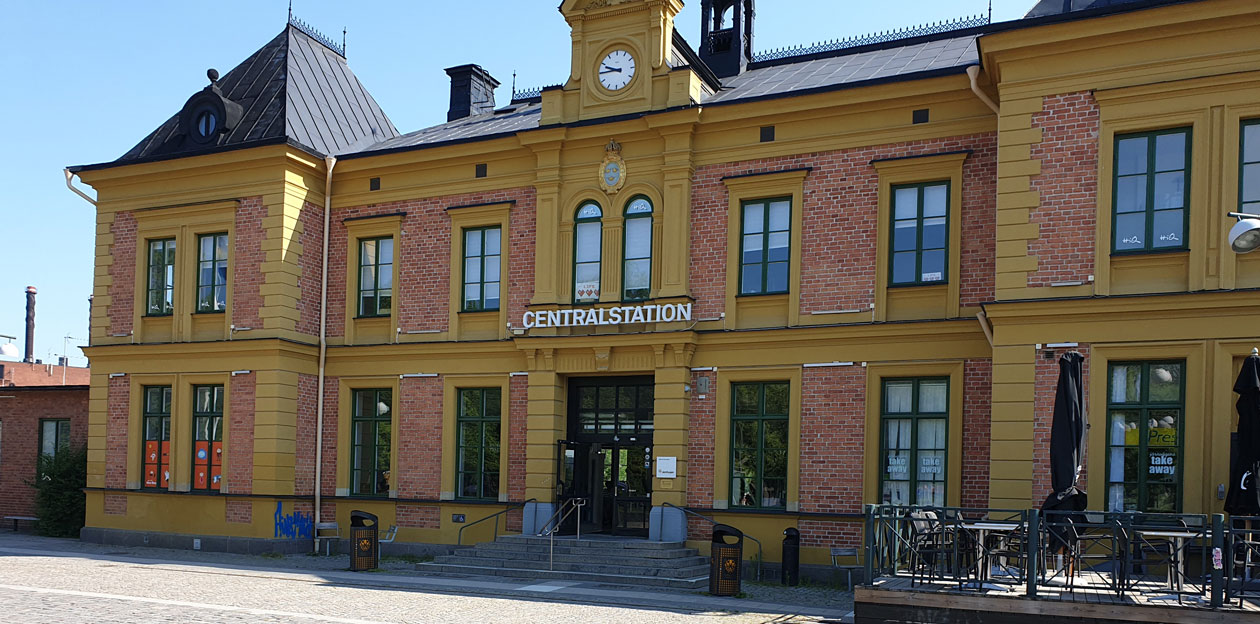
{"points": [[608, 456]]}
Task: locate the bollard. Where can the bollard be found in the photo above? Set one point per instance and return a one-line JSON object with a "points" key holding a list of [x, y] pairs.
{"points": [[791, 568]]}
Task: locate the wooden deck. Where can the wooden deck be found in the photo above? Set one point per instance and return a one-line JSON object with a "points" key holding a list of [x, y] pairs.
{"points": [[892, 599]]}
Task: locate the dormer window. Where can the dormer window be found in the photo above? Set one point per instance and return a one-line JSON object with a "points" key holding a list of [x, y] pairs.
{"points": [[207, 123], [208, 114]]}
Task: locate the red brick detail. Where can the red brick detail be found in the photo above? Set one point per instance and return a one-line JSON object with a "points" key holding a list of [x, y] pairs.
{"points": [[24, 374], [247, 258], [123, 273], [1045, 387], [419, 516], [832, 437], [238, 510], [839, 219], [830, 533], [116, 504], [977, 393], [1068, 188], [304, 460], [419, 444], [700, 436], [19, 440], [422, 258], [311, 221], [116, 427], [518, 415], [240, 450]]}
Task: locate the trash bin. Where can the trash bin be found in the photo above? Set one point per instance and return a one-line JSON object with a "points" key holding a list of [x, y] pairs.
{"points": [[726, 562], [791, 557], [365, 549]]}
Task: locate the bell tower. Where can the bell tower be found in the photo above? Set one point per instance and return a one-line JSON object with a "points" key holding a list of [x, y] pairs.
{"points": [[726, 35]]}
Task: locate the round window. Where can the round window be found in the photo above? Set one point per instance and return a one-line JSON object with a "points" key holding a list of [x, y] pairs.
{"points": [[207, 123]]}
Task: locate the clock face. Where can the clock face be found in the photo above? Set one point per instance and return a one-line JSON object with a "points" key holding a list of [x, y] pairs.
{"points": [[616, 70], [612, 174]]}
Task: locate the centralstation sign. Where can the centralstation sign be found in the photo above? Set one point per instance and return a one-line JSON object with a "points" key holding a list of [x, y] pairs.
{"points": [[591, 317]]}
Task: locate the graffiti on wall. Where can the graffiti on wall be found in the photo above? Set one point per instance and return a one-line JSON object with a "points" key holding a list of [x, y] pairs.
{"points": [[293, 525]]}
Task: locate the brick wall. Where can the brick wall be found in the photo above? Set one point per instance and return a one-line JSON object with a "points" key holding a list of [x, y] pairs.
{"points": [[240, 459], [977, 395], [248, 256], [422, 258], [122, 273], [700, 432], [238, 510], [116, 504], [1068, 189], [312, 238], [19, 439], [833, 429], [518, 415], [419, 435], [1045, 388], [304, 460], [116, 421], [419, 516], [841, 209]]}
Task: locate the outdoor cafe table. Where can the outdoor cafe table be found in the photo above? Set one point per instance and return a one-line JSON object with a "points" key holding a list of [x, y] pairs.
{"points": [[982, 529], [1177, 539]]}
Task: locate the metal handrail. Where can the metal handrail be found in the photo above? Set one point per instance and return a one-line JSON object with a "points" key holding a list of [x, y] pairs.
{"points": [[760, 550], [459, 541], [566, 508]]}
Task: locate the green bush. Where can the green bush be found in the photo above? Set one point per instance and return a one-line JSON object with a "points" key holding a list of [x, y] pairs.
{"points": [[59, 498]]}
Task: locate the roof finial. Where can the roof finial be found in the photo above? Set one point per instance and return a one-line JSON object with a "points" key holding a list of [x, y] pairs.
{"points": [[343, 41], [290, 10], [513, 82], [990, 11], [213, 75]]}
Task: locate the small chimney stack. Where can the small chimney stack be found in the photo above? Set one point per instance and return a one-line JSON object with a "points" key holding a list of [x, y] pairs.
{"points": [[472, 91], [30, 325]]}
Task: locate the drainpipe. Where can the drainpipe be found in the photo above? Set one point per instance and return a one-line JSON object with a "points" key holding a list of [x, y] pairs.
{"points": [[69, 185], [329, 162], [973, 72]]}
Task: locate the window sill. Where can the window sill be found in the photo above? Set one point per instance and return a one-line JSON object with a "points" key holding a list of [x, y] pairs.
{"points": [[1150, 252], [494, 310], [203, 312], [373, 316], [158, 316], [778, 293], [918, 284]]}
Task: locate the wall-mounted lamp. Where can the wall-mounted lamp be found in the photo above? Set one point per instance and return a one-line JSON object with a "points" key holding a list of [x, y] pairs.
{"points": [[1244, 237], [240, 372]]}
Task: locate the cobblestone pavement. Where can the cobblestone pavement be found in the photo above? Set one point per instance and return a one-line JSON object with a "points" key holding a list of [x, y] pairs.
{"points": [[59, 581]]}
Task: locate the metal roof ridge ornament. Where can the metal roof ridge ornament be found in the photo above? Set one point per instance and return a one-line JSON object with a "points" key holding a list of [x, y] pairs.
{"points": [[908, 32], [311, 32]]}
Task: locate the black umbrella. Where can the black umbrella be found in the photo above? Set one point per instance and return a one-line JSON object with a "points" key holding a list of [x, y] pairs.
{"points": [[1244, 483], [1067, 449]]}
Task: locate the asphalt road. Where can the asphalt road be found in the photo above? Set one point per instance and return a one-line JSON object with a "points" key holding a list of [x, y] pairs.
{"points": [[69, 587]]}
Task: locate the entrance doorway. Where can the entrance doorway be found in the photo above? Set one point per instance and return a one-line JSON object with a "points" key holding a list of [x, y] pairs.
{"points": [[606, 457]]}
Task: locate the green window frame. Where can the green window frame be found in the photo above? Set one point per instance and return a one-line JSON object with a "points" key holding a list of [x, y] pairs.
{"points": [[161, 291], [376, 276], [212, 260], [919, 249], [636, 268], [1249, 166], [156, 415], [482, 266], [54, 436], [1146, 409], [1150, 199], [207, 463], [479, 422], [914, 441], [759, 444], [765, 246], [371, 430], [588, 247]]}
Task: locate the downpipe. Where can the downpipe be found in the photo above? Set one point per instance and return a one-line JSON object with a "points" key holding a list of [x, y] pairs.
{"points": [[329, 162]]}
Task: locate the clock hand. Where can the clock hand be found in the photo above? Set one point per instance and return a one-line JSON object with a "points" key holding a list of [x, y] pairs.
{"points": [[609, 70]]}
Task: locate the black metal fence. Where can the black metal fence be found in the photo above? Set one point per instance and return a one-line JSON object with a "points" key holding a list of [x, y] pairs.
{"points": [[1188, 557]]}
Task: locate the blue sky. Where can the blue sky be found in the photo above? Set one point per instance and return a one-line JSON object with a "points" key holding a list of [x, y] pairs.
{"points": [[84, 81]]}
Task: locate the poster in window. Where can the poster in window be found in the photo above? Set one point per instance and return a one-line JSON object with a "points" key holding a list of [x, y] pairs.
{"points": [[150, 476], [216, 476], [151, 452], [199, 478], [201, 454]]}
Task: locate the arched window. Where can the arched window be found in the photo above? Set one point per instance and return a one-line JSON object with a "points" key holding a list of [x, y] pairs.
{"points": [[587, 247], [636, 275]]}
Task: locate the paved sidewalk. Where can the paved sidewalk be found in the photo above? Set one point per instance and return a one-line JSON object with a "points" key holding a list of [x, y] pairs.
{"points": [[399, 574]]}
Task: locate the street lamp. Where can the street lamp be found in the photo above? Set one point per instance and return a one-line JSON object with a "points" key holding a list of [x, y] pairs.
{"points": [[8, 349], [1244, 237]]}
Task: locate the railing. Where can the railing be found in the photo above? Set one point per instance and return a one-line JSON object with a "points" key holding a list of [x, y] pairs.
{"points": [[1151, 554], [567, 507], [961, 23], [760, 551], [460, 536]]}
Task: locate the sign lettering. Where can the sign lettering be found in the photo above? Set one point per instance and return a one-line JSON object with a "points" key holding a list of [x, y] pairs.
{"points": [[591, 317]]}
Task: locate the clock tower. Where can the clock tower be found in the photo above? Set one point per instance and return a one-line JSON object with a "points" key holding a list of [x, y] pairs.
{"points": [[621, 61]]}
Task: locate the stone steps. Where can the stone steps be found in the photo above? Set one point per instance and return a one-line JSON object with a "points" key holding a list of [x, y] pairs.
{"points": [[596, 560]]}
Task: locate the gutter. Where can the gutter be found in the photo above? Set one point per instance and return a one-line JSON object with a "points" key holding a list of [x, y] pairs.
{"points": [[330, 162], [973, 71]]}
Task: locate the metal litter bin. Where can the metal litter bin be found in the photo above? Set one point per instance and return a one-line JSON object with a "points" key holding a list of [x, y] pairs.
{"points": [[365, 542], [791, 557], [726, 561]]}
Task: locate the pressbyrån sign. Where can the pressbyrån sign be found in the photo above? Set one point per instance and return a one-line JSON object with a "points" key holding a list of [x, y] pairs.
{"points": [[663, 313]]}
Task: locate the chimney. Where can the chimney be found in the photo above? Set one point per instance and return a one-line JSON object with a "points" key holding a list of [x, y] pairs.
{"points": [[726, 35], [30, 325], [472, 91]]}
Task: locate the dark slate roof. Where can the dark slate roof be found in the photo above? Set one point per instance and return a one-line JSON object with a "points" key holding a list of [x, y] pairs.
{"points": [[295, 89], [782, 78], [506, 120]]}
